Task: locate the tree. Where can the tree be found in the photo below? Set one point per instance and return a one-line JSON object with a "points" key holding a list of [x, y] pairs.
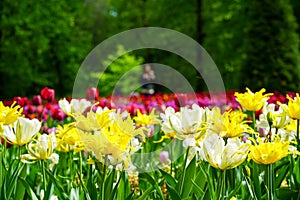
{"points": [[224, 37], [272, 55], [42, 44]]}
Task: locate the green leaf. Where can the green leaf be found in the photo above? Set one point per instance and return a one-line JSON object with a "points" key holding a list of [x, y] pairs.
{"points": [[114, 192], [91, 187], [282, 172], [20, 188], [28, 189], [255, 179], [286, 193], [124, 189], [297, 170], [234, 192], [146, 194], [186, 179], [109, 183], [173, 192], [170, 180], [197, 189], [10, 179], [61, 192], [152, 182]]}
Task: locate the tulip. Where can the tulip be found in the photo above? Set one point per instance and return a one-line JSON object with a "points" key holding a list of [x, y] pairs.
{"points": [[36, 100], [75, 106], [92, 93], [164, 157], [22, 132], [224, 156], [48, 94], [185, 123], [269, 152], [252, 101], [41, 150], [293, 107]]}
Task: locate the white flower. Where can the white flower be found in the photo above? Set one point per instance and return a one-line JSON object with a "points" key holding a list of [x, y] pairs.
{"points": [[278, 118], [166, 124], [223, 156], [22, 131], [75, 106], [188, 122], [189, 142], [41, 150]]}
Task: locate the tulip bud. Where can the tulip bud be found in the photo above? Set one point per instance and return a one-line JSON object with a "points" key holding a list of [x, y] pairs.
{"points": [[22, 101], [92, 93], [164, 157], [48, 94], [37, 100]]}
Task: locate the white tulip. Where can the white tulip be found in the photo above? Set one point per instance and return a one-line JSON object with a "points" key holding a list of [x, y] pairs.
{"points": [[224, 156], [22, 131]]}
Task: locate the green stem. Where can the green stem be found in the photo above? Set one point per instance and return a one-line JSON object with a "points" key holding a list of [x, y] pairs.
{"points": [[184, 170], [253, 123], [103, 177], [44, 175], [270, 184], [253, 120], [171, 156], [298, 139], [80, 162], [221, 188]]}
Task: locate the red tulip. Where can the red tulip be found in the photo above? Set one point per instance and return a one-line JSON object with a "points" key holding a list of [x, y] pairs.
{"points": [[48, 94], [92, 93], [36, 100], [22, 101]]}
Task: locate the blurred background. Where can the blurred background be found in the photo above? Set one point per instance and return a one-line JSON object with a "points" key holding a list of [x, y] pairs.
{"points": [[254, 43]]}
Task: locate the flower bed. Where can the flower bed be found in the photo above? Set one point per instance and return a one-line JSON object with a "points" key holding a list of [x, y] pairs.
{"points": [[177, 146]]}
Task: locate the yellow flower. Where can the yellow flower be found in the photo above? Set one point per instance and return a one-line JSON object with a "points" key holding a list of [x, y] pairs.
{"points": [[229, 124], [293, 108], [252, 101], [68, 138], [22, 132], [114, 140], [268, 152], [8, 115], [93, 121], [144, 119], [42, 149]]}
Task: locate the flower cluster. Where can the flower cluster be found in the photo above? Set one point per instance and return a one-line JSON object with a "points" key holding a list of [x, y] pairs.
{"points": [[87, 142]]}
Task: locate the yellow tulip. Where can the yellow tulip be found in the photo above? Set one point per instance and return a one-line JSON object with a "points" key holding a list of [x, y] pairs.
{"points": [[229, 124], [144, 119], [252, 101], [68, 139], [8, 115], [293, 107], [114, 140], [269, 152]]}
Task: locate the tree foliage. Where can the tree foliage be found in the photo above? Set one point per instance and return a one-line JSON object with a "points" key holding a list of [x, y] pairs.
{"points": [[272, 51], [42, 43]]}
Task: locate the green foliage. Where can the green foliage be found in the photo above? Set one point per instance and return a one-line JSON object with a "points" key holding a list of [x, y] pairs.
{"points": [[42, 44], [272, 55], [224, 35], [121, 76]]}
